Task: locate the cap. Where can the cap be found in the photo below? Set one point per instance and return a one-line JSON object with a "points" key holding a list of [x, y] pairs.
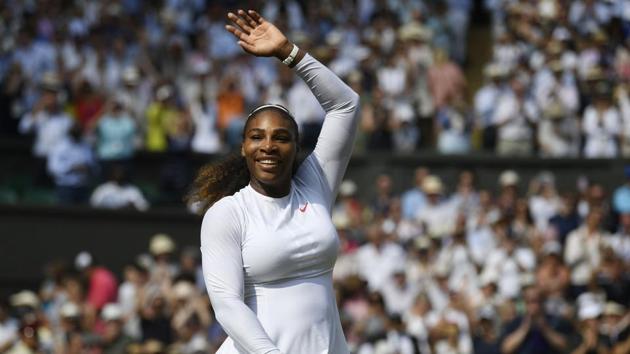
{"points": [[51, 81], [161, 244], [508, 178], [422, 243], [83, 260], [589, 310], [112, 312], [25, 298], [183, 290], [69, 310], [613, 309], [347, 188], [494, 70], [414, 31], [552, 247], [131, 75], [432, 185]]}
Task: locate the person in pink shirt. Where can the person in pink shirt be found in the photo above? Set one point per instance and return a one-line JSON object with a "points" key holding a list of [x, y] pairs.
{"points": [[446, 80], [102, 284]]}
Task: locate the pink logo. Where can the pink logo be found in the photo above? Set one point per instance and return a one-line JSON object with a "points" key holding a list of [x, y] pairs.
{"points": [[303, 209]]}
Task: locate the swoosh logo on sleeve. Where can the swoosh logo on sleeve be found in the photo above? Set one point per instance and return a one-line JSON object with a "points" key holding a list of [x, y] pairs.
{"points": [[303, 209]]}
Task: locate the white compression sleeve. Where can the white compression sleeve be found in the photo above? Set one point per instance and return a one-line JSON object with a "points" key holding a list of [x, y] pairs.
{"points": [[341, 103]]}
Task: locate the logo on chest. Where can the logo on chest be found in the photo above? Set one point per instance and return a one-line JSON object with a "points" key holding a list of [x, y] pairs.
{"points": [[303, 209]]}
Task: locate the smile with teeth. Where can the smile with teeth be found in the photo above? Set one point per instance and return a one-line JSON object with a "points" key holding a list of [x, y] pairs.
{"points": [[268, 162]]}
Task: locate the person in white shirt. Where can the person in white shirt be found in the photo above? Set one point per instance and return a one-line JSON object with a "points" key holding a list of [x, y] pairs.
{"points": [[437, 215], [583, 249], [378, 259], [515, 116], [268, 243], [601, 125], [48, 122], [485, 103], [398, 293], [620, 241], [118, 193]]}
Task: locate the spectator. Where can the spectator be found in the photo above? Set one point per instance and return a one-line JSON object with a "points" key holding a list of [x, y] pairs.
{"points": [[601, 125], [446, 80], [437, 215], [379, 258], [47, 120], [118, 193], [102, 285], [72, 165], [583, 250], [114, 340], [414, 199], [116, 133], [534, 331], [515, 117], [454, 126], [485, 103]]}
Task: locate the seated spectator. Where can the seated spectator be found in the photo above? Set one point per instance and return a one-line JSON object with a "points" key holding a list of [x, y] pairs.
{"points": [[118, 193], [614, 326], [601, 125], [88, 104], [535, 331], [515, 116], [621, 196], [437, 215], [378, 259], [414, 199], [160, 115], [102, 284], [47, 121], [454, 125], [583, 250], [620, 241], [485, 103], [116, 133], [72, 165], [114, 340]]}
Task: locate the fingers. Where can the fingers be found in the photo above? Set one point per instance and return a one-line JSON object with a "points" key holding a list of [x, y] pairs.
{"points": [[246, 46], [255, 16], [244, 26], [250, 21], [236, 32]]}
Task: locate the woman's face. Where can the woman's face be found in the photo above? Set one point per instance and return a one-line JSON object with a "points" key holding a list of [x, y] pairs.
{"points": [[270, 147]]}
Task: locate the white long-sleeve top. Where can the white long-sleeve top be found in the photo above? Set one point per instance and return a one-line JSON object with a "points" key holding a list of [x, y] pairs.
{"points": [[268, 262]]}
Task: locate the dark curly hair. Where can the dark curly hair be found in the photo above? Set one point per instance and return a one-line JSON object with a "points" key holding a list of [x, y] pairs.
{"points": [[217, 180]]}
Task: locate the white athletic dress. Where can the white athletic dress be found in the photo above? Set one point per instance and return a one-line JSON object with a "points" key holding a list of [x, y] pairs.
{"points": [[268, 262]]}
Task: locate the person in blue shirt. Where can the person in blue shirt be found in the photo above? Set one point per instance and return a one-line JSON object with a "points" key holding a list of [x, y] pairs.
{"points": [[71, 164]]}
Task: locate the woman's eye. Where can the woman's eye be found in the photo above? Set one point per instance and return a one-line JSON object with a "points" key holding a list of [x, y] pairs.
{"points": [[282, 138], [255, 137]]}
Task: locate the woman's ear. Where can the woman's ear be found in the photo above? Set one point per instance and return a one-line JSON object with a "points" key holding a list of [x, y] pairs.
{"points": [[242, 151]]}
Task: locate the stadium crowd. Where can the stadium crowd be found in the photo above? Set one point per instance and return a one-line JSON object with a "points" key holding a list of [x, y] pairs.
{"points": [[437, 269], [95, 82], [434, 270]]}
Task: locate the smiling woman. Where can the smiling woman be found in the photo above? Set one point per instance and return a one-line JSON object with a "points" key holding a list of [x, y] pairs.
{"points": [[267, 240]]}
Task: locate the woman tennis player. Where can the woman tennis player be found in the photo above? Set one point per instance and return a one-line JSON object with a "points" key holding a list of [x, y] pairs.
{"points": [[267, 239]]}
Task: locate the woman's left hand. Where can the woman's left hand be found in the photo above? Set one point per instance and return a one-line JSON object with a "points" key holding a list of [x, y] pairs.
{"points": [[257, 36]]}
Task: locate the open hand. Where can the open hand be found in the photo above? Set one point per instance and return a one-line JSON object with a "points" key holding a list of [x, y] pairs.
{"points": [[257, 36]]}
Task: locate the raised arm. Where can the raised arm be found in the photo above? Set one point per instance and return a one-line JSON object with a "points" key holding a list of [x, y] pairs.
{"points": [[341, 104], [223, 274], [261, 38]]}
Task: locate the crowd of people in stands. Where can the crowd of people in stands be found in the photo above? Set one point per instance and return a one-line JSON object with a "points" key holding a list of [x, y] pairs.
{"points": [[437, 269], [104, 80]]}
